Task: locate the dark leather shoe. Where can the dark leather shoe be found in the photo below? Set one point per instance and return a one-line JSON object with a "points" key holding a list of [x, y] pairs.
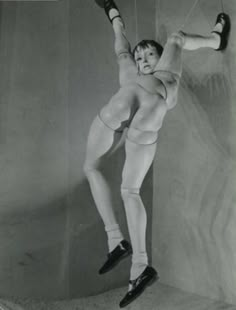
{"points": [[122, 250], [147, 277], [224, 19], [107, 5]]}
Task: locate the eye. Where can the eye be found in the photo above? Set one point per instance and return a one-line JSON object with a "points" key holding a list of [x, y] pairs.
{"points": [[138, 59]]}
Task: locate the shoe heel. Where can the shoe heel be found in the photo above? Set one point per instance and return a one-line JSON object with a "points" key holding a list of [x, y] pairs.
{"points": [[154, 279]]}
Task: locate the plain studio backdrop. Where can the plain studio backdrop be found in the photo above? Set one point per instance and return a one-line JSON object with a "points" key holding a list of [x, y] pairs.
{"points": [[58, 69]]}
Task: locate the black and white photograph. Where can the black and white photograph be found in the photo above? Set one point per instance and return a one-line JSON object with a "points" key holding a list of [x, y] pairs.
{"points": [[117, 154]]}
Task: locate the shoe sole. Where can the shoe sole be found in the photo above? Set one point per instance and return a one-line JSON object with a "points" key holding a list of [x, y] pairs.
{"points": [[149, 283]]}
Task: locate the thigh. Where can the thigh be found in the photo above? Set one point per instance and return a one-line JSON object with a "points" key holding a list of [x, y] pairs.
{"points": [[171, 58], [128, 70], [118, 113], [137, 163], [148, 120], [171, 82], [101, 141]]}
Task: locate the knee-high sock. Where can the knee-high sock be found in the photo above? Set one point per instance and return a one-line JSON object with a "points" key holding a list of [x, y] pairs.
{"points": [[101, 138], [114, 236], [101, 194], [137, 222], [196, 41]]}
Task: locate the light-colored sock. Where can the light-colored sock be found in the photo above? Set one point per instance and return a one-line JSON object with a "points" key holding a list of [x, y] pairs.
{"points": [[137, 221], [139, 263], [218, 27], [117, 22], [113, 13], [114, 236]]}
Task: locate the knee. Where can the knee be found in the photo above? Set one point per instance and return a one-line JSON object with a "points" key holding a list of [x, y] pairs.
{"points": [[89, 168], [177, 38], [127, 193], [123, 54], [122, 48], [86, 169]]}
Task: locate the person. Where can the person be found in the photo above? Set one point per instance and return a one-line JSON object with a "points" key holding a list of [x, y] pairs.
{"points": [[149, 79]]}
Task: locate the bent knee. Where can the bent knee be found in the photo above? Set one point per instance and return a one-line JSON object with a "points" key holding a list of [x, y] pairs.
{"points": [[177, 38], [127, 192], [123, 54], [90, 168], [87, 169]]}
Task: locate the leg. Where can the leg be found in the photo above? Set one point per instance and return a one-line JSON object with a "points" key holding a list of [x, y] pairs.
{"points": [[196, 41], [127, 66], [100, 142], [218, 38], [171, 59], [169, 67], [138, 161]]}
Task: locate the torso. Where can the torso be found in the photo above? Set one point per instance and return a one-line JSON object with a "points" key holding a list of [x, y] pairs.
{"points": [[140, 104]]}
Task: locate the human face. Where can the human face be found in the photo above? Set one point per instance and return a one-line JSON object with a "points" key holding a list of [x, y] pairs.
{"points": [[146, 59]]}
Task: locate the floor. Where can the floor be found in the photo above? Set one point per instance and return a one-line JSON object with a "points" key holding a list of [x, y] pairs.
{"points": [[156, 297]]}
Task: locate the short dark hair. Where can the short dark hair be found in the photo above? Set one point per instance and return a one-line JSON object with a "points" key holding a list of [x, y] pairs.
{"points": [[146, 43]]}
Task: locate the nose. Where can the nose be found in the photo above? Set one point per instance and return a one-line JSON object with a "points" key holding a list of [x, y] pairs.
{"points": [[144, 59]]}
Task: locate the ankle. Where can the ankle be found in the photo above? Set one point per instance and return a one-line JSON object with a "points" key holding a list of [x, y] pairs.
{"points": [[216, 39], [137, 270], [113, 13], [114, 236], [139, 263]]}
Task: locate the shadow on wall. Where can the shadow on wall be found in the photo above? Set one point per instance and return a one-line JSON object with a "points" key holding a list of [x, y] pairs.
{"points": [[213, 94], [195, 180], [55, 251], [31, 245]]}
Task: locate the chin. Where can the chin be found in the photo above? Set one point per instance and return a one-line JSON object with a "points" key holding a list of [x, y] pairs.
{"points": [[147, 72]]}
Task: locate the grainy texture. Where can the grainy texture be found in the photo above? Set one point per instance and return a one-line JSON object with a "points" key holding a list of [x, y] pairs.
{"points": [[58, 69], [194, 214], [157, 296]]}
